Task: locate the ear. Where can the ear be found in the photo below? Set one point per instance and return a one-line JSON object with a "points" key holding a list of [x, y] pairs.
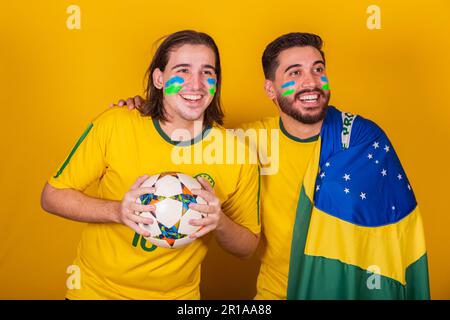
{"points": [[158, 80], [269, 87]]}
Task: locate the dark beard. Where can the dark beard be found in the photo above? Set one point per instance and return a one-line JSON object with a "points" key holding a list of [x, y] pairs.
{"points": [[286, 106]]}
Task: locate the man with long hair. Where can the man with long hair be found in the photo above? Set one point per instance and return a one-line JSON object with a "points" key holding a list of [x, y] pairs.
{"points": [[120, 148]]}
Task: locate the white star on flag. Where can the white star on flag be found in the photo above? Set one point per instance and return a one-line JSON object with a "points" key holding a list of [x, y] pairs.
{"points": [[369, 156], [362, 195], [384, 172], [347, 190], [322, 174], [409, 187], [399, 176], [376, 145], [317, 188], [346, 177], [377, 162], [393, 207], [327, 164], [386, 148]]}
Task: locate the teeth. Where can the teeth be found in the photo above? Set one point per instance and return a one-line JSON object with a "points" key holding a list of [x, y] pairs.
{"points": [[193, 97], [310, 97]]}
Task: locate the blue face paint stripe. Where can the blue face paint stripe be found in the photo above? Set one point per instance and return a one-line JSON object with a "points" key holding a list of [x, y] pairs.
{"points": [[175, 79], [212, 81], [287, 84], [326, 85]]}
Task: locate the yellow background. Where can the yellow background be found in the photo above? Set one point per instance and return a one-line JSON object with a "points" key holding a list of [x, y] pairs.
{"points": [[54, 80]]}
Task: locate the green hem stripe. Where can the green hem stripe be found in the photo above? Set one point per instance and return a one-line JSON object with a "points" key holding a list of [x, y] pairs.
{"points": [[80, 140]]}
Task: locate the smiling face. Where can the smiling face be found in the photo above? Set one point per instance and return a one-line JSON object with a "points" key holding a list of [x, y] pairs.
{"points": [[300, 86], [188, 82]]}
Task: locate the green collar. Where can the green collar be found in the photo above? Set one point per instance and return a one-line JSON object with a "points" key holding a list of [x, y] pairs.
{"points": [[196, 139], [290, 136]]}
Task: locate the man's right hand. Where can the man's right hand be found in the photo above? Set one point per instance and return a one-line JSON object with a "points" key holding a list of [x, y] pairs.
{"points": [[131, 103], [126, 213]]}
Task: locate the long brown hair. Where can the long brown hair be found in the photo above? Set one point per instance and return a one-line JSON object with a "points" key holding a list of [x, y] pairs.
{"points": [[153, 105]]}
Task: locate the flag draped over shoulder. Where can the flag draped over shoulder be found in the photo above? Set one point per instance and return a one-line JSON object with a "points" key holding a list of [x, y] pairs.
{"points": [[358, 232]]}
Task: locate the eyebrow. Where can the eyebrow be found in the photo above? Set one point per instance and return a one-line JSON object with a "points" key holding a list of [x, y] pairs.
{"points": [[181, 65], [292, 66], [299, 65], [208, 66]]}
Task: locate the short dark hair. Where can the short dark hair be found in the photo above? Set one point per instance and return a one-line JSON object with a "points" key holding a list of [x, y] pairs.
{"points": [[153, 105], [296, 39]]}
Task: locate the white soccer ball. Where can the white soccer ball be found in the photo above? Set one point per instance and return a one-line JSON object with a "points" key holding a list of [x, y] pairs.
{"points": [[171, 228]]}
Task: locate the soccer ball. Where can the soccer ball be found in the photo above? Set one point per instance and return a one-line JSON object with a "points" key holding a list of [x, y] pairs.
{"points": [[171, 228]]}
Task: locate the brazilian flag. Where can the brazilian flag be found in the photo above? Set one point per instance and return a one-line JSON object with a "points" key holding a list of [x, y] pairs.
{"points": [[358, 232]]}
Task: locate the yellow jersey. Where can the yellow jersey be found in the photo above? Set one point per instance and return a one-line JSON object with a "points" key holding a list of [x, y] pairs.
{"points": [[115, 262], [279, 198]]}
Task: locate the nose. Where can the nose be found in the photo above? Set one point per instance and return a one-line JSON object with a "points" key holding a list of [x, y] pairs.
{"points": [[308, 81], [196, 82]]}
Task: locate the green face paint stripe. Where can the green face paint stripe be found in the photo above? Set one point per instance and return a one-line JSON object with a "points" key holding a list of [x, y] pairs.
{"points": [[288, 92], [326, 85], [212, 82], [174, 88], [80, 140], [173, 85]]}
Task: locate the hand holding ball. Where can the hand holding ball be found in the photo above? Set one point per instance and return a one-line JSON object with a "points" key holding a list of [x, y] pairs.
{"points": [[172, 196]]}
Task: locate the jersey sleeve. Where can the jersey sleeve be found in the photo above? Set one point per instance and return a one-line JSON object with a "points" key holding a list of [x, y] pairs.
{"points": [[243, 205], [85, 163]]}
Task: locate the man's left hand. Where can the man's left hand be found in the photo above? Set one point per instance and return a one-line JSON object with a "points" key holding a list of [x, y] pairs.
{"points": [[212, 210]]}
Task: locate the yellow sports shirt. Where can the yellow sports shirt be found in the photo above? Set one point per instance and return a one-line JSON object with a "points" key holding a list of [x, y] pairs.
{"points": [[119, 146], [279, 198]]}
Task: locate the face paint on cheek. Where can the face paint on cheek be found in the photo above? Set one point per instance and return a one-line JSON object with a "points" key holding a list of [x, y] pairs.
{"points": [[212, 82], [288, 91], [173, 85], [326, 85]]}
